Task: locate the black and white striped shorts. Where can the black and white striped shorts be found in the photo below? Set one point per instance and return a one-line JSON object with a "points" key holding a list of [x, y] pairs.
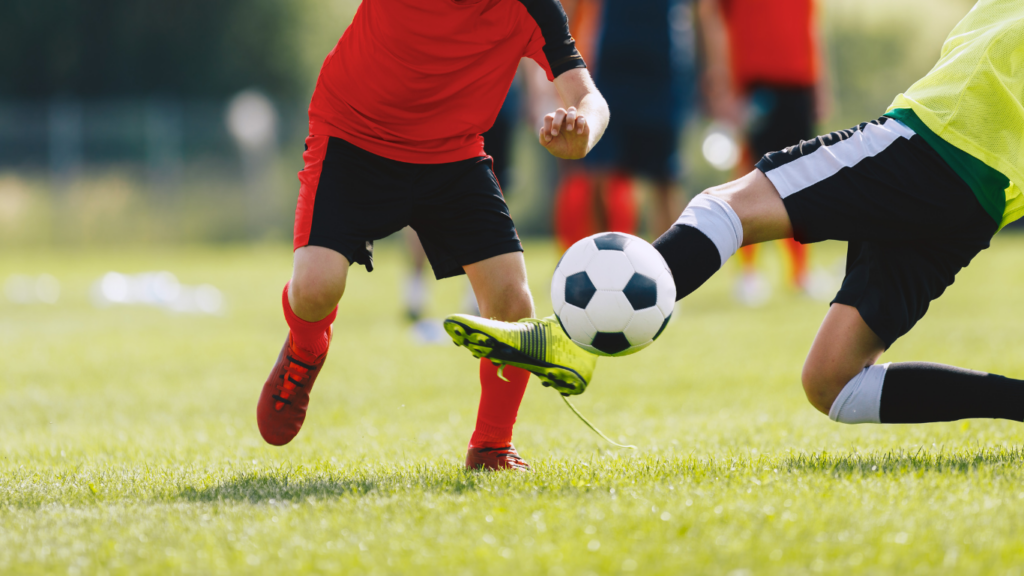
{"points": [[911, 222]]}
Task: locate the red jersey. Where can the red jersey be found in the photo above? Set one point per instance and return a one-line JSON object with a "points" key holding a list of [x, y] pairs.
{"points": [[419, 80], [772, 42]]}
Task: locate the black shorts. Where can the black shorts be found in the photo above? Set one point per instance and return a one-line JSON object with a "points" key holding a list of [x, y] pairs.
{"points": [[910, 221], [350, 197], [650, 151], [778, 116]]}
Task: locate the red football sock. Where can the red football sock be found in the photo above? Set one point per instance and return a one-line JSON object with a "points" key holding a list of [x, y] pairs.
{"points": [[499, 404], [574, 219], [620, 204], [748, 257], [309, 337], [798, 255]]}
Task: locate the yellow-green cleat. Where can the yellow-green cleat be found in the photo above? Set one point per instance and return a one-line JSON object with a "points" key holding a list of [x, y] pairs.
{"points": [[539, 346]]}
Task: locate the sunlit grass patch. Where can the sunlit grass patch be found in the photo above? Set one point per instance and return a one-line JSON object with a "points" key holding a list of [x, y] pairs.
{"points": [[128, 442]]}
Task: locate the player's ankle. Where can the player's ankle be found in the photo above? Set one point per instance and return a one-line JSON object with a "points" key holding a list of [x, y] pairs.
{"points": [[489, 443]]}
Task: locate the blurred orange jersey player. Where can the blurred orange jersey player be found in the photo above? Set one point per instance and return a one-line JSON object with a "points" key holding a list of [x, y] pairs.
{"points": [[765, 75]]}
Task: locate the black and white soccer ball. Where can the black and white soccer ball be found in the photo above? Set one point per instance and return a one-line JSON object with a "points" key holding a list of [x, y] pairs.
{"points": [[613, 293]]}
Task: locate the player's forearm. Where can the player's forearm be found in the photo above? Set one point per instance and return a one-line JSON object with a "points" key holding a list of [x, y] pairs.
{"points": [[576, 89], [594, 108]]}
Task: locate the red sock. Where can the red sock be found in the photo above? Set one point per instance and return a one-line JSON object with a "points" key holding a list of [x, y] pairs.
{"points": [[620, 204], [748, 257], [499, 404], [309, 337], [573, 216], [798, 253]]}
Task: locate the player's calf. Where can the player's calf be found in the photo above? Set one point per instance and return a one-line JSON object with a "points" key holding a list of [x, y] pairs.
{"points": [[502, 293]]}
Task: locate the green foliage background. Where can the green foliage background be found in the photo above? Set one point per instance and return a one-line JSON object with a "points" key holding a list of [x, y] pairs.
{"points": [[191, 49], [122, 48]]}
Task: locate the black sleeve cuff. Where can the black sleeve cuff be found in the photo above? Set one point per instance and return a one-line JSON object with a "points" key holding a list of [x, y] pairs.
{"points": [[565, 63], [559, 45]]}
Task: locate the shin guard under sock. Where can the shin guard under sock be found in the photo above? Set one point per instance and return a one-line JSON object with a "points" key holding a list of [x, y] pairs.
{"points": [[308, 337], [916, 392], [499, 404], [707, 233]]}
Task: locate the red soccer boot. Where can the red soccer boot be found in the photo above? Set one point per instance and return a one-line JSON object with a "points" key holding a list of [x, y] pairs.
{"points": [[285, 397], [501, 458]]}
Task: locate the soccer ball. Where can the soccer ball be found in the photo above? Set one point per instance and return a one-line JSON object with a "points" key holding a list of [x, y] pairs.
{"points": [[613, 293]]}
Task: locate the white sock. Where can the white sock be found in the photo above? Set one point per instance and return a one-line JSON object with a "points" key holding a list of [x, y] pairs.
{"points": [[415, 293], [717, 220], [861, 398]]}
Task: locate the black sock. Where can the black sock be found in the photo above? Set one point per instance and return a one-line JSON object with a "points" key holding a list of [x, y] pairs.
{"points": [[916, 392], [691, 256]]}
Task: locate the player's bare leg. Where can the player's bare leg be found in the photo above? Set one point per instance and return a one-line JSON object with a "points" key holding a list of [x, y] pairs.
{"points": [[842, 349], [318, 282], [758, 205], [501, 288], [841, 377], [310, 303], [415, 286], [503, 294], [666, 205]]}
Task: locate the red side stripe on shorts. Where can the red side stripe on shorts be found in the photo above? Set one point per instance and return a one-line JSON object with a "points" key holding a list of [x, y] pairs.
{"points": [[309, 180]]}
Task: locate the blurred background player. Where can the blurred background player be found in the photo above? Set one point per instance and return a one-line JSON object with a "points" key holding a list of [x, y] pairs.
{"points": [[643, 56], [765, 77]]}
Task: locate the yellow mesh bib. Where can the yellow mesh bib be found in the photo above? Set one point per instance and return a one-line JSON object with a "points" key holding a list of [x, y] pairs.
{"points": [[974, 96]]}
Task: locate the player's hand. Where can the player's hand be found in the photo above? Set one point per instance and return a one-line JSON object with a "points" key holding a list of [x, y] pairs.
{"points": [[565, 134]]}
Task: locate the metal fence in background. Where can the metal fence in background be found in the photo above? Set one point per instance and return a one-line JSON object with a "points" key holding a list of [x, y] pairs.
{"points": [[159, 169], [63, 136]]}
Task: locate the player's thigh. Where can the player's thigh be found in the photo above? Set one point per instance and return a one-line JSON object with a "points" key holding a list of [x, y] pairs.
{"points": [[876, 182], [465, 227], [844, 345], [350, 197], [759, 207], [461, 217], [892, 285], [501, 287], [888, 288]]}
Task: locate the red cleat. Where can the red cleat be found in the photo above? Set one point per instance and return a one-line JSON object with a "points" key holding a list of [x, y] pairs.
{"points": [[285, 397], [501, 458]]}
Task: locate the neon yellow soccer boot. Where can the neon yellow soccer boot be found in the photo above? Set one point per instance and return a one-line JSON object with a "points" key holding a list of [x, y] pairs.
{"points": [[539, 346]]}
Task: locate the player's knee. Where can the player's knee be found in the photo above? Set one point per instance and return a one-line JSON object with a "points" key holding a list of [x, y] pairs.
{"points": [[514, 303], [315, 295], [721, 193], [821, 385], [716, 193]]}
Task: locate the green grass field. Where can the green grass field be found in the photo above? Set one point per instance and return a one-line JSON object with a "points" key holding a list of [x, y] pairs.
{"points": [[128, 441]]}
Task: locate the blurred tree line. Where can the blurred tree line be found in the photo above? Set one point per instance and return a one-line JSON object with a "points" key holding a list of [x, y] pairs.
{"points": [[94, 49], [137, 89], [212, 48], [878, 48]]}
